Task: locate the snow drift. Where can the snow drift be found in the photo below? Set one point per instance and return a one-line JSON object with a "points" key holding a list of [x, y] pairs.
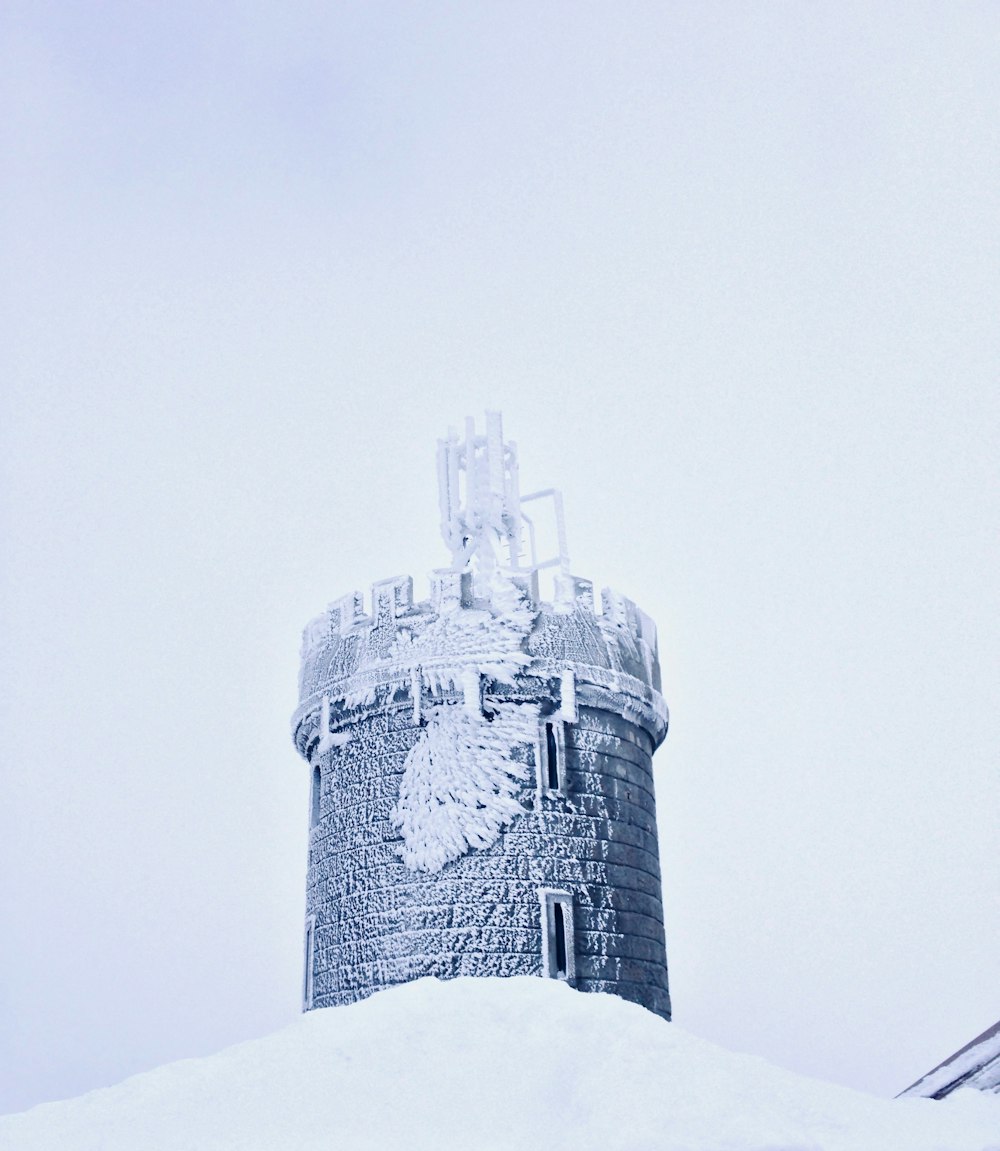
{"points": [[492, 1063]]}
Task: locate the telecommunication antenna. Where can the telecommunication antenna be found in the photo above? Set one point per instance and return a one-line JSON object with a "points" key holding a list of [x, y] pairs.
{"points": [[482, 521]]}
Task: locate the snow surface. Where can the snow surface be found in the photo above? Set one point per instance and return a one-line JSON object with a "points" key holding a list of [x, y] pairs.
{"points": [[478, 1064]]}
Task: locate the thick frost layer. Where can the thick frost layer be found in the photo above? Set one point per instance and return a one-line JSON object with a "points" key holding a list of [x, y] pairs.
{"points": [[461, 781], [492, 1065]]}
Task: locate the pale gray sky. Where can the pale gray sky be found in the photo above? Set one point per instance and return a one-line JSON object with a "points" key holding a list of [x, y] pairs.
{"points": [[731, 272]]}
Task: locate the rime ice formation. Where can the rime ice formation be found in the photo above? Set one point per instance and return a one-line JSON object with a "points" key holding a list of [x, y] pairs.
{"points": [[486, 639], [461, 782], [482, 764]]}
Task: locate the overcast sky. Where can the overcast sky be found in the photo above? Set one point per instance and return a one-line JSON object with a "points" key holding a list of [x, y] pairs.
{"points": [[731, 273]]}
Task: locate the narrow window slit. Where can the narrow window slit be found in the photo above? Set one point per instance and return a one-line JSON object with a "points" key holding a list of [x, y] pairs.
{"points": [[558, 958], [314, 805], [551, 757], [560, 933], [307, 974]]}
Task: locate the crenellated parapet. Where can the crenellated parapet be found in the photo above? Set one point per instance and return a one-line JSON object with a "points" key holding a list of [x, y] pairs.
{"points": [[358, 660]]}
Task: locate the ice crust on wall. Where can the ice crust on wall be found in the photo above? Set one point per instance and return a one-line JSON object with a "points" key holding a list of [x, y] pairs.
{"points": [[488, 638], [461, 781]]}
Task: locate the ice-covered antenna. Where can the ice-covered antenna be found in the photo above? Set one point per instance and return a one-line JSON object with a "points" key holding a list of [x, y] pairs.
{"points": [[481, 520]]}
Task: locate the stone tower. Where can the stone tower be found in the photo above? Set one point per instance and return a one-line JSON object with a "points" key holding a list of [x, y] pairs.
{"points": [[482, 784]]}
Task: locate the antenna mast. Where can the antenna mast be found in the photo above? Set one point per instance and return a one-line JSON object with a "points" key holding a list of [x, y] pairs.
{"points": [[480, 501]]}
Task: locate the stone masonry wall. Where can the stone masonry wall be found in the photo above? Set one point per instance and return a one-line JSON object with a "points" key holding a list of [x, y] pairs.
{"points": [[377, 922]]}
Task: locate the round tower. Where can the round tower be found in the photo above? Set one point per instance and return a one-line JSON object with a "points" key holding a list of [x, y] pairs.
{"points": [[482, 784]]}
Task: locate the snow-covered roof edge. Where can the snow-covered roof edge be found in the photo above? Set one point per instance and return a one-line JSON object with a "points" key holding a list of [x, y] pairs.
{"points": [[969, 1063]]}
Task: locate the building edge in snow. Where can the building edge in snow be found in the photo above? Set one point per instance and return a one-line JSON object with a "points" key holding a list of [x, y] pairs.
{"points": [[977, 1064], [482, 794]]}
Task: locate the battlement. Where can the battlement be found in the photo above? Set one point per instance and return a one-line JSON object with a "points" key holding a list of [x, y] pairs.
{"points": [[392, 599], [356, 659]]}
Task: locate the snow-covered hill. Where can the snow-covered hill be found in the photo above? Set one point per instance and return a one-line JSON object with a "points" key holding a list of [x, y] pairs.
{"points": [[491, 1063]]}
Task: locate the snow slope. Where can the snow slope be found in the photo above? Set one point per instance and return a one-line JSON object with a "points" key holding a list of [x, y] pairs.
{"points": [[492, 1063]]}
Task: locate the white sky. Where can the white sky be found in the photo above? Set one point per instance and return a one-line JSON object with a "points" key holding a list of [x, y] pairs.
{"points": [[731, 272]]}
